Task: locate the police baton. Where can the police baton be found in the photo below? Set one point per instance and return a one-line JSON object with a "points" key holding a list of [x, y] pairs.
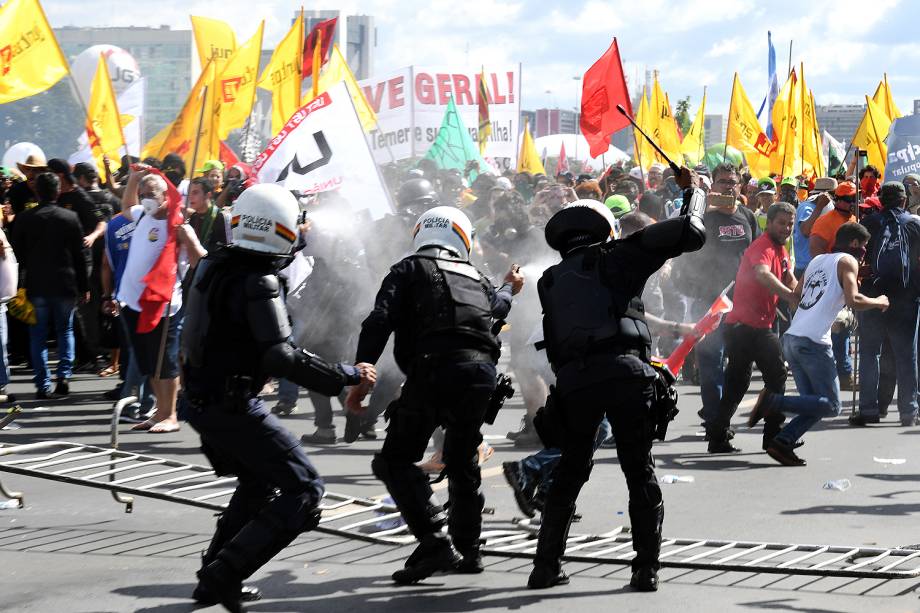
{"points": [[626, 114]]}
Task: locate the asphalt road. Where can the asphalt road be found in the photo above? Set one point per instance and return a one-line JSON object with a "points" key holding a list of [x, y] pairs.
{"points": [[74, 549]]}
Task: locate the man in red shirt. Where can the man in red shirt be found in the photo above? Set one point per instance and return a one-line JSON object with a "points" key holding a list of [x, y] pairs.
{"points": [[764, 277]]}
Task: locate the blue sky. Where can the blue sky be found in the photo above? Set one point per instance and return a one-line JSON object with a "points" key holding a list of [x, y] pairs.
{"points": [[846, 44]]}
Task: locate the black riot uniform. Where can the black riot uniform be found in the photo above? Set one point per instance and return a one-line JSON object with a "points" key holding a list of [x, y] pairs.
{"points": [[441, 309], [598, 343], [235, 337]]}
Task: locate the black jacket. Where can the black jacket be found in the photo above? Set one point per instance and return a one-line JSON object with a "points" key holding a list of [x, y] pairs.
{"points": [[48, 242]]}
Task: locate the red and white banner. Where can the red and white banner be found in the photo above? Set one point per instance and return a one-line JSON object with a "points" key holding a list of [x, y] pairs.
{"points": [[322, 148], [410, 105]]}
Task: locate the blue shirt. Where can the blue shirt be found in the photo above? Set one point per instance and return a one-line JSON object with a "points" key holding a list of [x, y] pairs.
{"points": [[117, 241], [799, 240]]}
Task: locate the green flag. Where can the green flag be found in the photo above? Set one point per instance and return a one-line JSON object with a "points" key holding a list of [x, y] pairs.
{"points": [[454, 146], [834, 154]]}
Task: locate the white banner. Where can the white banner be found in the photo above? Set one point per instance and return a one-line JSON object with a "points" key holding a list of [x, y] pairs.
{"points": [[322, 148], [410, 105]]}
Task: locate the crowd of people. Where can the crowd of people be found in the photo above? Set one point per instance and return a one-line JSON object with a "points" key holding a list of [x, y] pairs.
{"points": [[797, 257]]}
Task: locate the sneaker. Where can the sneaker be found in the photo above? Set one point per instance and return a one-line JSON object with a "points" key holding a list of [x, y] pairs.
{"points": [[322, 436], [434, 465], [132, 414], [62, 388], [44, 394], [784, 454], [912, 421], [858, 419], [523, 490], [284, 408]]}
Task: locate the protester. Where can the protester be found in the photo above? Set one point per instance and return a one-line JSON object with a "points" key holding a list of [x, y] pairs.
{"points": [[213, 171], [894, 259], [821, 238], [828, 285], [48, 241], [764, 276], [211, 225], [703, 275], [161, 366]]}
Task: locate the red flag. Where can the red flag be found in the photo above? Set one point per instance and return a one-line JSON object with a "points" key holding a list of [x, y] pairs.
{"points": [[328, 29], [227, 156], [160, 281], [562, 164], [603, 88]]}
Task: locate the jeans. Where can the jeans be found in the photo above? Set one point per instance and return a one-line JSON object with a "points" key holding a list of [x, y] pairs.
{"points": [[57, 311], [899, 325], [840, 341], [4, 362], [709, 353], [540, 466], [288, 391], [815, 373]]}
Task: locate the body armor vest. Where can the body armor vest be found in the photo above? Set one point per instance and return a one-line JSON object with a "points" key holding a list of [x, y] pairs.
{"points": [[456, 313], [583, 315]]}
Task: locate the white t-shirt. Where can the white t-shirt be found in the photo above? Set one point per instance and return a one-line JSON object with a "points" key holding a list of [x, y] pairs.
{"points": [[147, 242], [822, 299]]}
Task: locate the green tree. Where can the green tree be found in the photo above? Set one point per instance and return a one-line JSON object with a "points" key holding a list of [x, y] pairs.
{"points": [[682, 114]]}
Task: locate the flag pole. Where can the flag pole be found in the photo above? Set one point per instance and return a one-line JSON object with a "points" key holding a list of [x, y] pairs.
{"points": [[162, 351], [731, 101]]}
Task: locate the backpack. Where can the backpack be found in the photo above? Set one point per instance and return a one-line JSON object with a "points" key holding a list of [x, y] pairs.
{"points": [[892, 261]]}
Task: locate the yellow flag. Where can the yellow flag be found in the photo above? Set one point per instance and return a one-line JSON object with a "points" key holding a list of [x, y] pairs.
{"points": [[810, 157], [529, 158], [184, 130], [317, 61], [215, 41], [236, 85], [786, 159], [745, 134], [337, 70], [814, 138], [643, 151], [692, 145], [664, 130], [283, 75], [103, 121], [886, 101], [878, 124], [30, 58]]}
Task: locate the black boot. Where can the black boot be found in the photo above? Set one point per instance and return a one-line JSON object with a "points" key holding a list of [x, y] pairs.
{"points": [[646, 535], [554, 532], [471, 564], [435, 553], [222, 584], [201, 595]]}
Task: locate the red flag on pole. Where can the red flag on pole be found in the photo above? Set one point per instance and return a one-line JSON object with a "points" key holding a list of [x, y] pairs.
{"points": [[562, 164], [328, 33], [603, 88], [160, 281]]}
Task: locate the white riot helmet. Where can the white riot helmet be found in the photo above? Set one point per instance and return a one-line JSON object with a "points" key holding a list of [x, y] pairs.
{"points": [[444, 226], [581, 222], [264, 219]]}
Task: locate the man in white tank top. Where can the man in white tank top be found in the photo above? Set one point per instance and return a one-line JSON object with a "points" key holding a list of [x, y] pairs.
{"points": [[829, 284]]}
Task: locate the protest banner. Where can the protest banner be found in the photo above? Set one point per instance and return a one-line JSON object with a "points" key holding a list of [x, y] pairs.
{"points": [[903, 148], [411, 102], [322, 148]]}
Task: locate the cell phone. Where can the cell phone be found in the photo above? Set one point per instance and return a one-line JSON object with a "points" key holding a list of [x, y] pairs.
{"points": [[721, 201]]}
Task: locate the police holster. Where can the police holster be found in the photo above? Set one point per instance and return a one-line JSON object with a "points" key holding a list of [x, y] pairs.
{"points": [[548, 421], [664, 404], [504, 389]]}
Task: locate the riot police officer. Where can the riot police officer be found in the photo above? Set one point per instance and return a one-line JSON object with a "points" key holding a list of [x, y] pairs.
{"points": [[235, 337], [442, 310], [598, 344]]}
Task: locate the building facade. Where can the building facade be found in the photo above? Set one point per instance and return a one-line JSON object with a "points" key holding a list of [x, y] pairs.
{"points": [[164, 56], [841, 120]]}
